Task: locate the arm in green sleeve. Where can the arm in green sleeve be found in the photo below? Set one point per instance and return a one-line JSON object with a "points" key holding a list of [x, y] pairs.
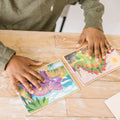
{"points": [[5, 55], [93, 11]]}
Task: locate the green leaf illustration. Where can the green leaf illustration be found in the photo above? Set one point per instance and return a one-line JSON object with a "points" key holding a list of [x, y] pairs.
{"points": [[44, 99], [37, 104]]}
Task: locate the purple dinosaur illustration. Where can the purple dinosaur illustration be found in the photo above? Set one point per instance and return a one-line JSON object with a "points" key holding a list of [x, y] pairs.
{"points": [[52, 83]]}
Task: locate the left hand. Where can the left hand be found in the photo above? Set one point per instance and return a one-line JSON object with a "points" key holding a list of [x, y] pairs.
{"points": [[96, 41], [18, 69]]}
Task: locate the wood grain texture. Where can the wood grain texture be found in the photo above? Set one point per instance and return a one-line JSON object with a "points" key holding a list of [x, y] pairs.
{"points": [[13, 106], [54, 118], [87, 104], [87, 107]]}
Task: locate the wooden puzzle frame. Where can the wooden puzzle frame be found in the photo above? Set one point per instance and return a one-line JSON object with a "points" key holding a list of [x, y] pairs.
{"points": [[68, 65], [27, 113]]}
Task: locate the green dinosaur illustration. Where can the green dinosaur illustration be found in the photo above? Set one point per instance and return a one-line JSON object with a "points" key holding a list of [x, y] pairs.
{"points": [[91, 66]]}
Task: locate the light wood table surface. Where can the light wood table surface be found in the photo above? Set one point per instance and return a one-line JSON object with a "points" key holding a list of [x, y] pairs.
{"points": [[87, 104]]}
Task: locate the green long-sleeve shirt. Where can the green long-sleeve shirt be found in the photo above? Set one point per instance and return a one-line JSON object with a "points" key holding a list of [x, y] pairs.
{"points": [[41, 15]]}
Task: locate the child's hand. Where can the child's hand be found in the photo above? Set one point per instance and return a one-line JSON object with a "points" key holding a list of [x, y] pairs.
{"points": [[96, 41], [19, 69]]}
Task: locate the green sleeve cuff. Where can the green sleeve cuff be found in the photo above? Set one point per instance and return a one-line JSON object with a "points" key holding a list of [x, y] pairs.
{"points": [[93, 11], [5, 57], [93, 23]]}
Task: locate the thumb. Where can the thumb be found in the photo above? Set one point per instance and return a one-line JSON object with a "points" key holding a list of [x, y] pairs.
{"points": [[80, 42], [33, 62]]}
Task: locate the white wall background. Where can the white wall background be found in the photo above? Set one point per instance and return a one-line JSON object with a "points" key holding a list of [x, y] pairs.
{"points": [[111, 18]]}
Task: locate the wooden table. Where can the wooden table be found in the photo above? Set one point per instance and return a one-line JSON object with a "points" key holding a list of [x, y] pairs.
{"points": [[87, 104]]}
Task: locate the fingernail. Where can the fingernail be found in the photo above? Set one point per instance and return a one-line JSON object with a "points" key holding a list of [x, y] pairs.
{"points": [[96, 59], [90, 57], [17, 93], [32, 92], [78, 45], [40, 88], [104, 57]]}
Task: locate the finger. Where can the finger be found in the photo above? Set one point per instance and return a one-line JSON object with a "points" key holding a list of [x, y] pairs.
{"points": [[81, 41], [108, 45], [102, 47], [96, 47], [26, 84], [33, 62], [30, 78], [15, 85], [37, 75], [90, 50]]}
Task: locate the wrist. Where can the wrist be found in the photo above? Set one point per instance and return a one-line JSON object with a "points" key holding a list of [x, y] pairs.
{"points": [[12, 57]]}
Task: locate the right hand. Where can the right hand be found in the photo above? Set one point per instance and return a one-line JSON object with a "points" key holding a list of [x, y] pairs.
{"points": [[18, 69]]}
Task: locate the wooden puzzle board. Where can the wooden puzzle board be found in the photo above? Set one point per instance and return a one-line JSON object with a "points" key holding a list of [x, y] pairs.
{"points": [[59, 84], [86, 70]]}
